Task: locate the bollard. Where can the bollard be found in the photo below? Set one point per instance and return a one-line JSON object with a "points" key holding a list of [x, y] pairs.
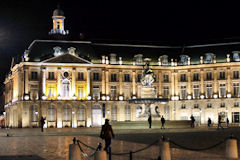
{"points": [[231, 149], [100, 154], [165, 153], [74, 152]]}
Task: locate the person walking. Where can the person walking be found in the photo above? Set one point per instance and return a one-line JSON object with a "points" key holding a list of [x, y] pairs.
{"points": [[42, 121], [192, 121], [163, 122], [219, 122], [209, 122], [107, 134], [150, 121], [227, 122]]}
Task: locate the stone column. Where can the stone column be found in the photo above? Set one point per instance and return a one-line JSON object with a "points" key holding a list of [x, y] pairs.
{"points": [[120, 83], [26, 81], [215, 87], [103, 82], [176, 84], [44, 81], [189, 82], [202, 82], [73, 81], [59, 82], [88, 82], [228, 81], [172, 84], [134, 82], [159, 83], [107, 81]]}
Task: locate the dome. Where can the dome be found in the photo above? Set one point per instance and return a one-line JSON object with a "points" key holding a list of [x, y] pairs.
{"points": [[58, 12]]}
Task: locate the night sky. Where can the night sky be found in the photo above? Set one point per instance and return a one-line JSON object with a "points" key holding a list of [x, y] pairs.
{"points": [[167, 23]]}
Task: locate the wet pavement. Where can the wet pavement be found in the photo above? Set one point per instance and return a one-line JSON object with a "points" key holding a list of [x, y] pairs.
{"points": [[24, 144]]}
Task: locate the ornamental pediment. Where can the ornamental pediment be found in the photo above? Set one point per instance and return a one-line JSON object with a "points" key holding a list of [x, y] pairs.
{"points": [[66, 58]]}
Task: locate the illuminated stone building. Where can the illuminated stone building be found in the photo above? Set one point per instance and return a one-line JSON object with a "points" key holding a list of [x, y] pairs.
{"points": [[80, 83]]}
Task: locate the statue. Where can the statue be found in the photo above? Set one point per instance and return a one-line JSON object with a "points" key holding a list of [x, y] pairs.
{"points": [[148, 76]]}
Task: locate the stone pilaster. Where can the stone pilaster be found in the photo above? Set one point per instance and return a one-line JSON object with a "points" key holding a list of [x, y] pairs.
{"points": [[44, 81], [189, 90], [103, 82], [107, 82], [73, 82], [88, 82], [120, 83], [215, 87], [202, 82], [134, 82], [159, 83]]}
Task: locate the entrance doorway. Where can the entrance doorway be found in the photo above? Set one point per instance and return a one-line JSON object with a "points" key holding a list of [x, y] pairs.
{"points": [[96, 116]]}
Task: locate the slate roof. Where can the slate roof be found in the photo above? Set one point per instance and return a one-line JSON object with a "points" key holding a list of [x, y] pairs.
{"points": [[41, 50]]}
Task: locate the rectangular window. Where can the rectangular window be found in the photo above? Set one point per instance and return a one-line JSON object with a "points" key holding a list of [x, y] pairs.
{"points": [[183, 106], [66, 113], [196, 106], [222, 75], [81, 93], [96, 92], [34, 76], [165, 92], [236, 104], [127, 113], [51, 92], [209, 90], [114, 113], [209, 105], [81, 113], [183, 92], [139, 76], [236, 89], [165, 78], [195, 77], [80, 76], [195, 91], [235, 117], [222, 90], [209, 76], [236, 74], [183, 78], [222, 105], [51, 75], [113, 77], [96, 76], [113, 92], [127, 77]]}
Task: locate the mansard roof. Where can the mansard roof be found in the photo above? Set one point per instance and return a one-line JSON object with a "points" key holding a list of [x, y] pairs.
{"points": [[41, 50]]}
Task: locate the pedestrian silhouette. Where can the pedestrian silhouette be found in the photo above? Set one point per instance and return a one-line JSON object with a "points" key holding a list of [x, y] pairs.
{"points": [[107, 134], [209, 122], [227, 122], [192, 121], [219, 122], [163, 122], [150, 121], [42, 121]]}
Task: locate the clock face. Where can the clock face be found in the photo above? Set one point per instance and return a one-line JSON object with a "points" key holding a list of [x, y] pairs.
{"points": [[65, 74]]}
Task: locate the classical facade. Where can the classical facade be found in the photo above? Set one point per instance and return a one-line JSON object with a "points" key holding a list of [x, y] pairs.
{"points": [[71, 84]]}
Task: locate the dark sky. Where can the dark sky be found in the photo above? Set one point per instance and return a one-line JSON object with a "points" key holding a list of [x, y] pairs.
{"points": [[167, 22]]}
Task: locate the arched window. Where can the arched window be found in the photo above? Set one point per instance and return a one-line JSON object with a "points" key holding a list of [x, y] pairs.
{"points": [[81, 113], [127, 113], [114, 113], [66, 113], [51, 113], [138, 111], [66, 88], [34, 113]]}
